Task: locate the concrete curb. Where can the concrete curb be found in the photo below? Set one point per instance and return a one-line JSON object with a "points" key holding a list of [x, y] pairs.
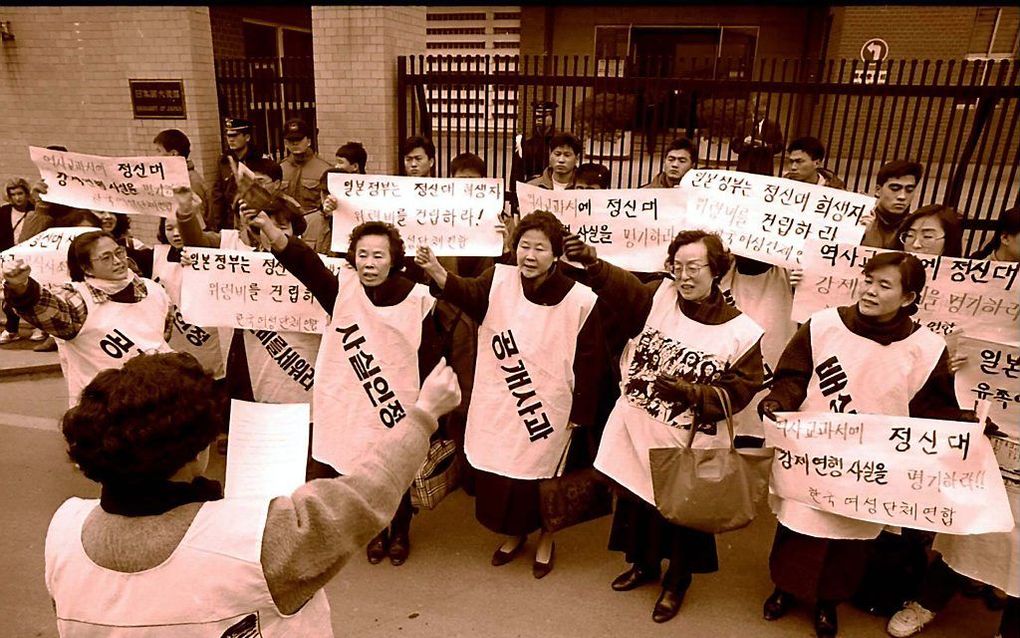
{"points": [[22, 371]]}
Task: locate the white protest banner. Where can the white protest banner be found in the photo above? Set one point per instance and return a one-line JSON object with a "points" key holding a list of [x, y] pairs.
{"points": [[133, 185], [629, 227], [975, 295], [992, 373], [453, 216], [234, 289], [268, 449], [46, 253], [920, 473], [769, 218]]}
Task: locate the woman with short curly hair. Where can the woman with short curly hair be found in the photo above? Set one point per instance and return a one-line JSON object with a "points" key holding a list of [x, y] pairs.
{"points": [[162, 550]]}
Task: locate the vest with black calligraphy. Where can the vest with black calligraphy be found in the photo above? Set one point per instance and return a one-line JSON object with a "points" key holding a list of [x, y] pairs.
{"points": [[202, 343], [368, 371], [641, 420], [113, 333], [524, 379], [853, 374], [211, 585]]}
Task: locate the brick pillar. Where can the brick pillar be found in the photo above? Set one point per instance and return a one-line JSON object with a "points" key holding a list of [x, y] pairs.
{"points": [[356, 51], [64, 80]]}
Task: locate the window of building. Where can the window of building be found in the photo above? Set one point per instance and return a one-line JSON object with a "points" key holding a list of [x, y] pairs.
{"points": [[455, 45], [506, 45], [455, 31], [506, 30], [995, 33], [507, 15], [267, 40], [450, 17]]}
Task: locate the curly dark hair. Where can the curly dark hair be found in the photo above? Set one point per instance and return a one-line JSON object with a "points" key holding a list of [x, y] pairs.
{"points": [[143, 422], [719, 257], [382, 229], [548, 224]]}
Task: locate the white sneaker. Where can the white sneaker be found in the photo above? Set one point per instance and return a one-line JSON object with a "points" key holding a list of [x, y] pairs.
{"points": [[37, 335], [7, 337], [909, 620]]}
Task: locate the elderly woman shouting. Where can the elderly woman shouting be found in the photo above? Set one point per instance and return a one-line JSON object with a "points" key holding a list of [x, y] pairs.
{"points": [[105, 316], [683, 338]]}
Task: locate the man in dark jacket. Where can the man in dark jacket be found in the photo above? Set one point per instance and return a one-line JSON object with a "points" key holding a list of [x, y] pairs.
{"points": [[807, 156], [762, 139], [238, 133], [531, 156], [12, 218]]}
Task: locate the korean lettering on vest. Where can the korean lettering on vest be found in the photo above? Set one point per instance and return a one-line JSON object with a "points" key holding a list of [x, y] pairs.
{"points": [[195, 335], [832, 380], [116, 344], [519, 383], [372, 380], [289, 360]]}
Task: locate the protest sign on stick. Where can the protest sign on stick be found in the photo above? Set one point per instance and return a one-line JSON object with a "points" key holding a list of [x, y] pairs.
{"points": [[234, 289], [992, 374], [452, 216], [268, 449], [940, 476], [46, 253], [629, 227], [974, 295], [769, 218], [132, 185]]}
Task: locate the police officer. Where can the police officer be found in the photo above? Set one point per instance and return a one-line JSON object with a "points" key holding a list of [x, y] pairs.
{"points": [[241, 147]]}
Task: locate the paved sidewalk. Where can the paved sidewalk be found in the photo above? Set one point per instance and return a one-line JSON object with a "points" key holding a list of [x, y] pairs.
{"points": [[18, 358]]}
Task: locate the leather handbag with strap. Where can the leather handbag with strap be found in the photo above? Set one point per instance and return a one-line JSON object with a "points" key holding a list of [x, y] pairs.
{"points": [[711, 490], [575, 497]]}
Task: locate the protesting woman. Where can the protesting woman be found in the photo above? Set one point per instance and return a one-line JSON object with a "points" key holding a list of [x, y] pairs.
{"points": [[539, 356], [683, 340], [830, 365], [932, 230], [380, 343], [105, 316], [162, 553]]}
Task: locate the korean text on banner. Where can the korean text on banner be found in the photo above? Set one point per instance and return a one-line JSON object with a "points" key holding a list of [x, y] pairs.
{"points": [[132, 185], [975, 295], [46, 253], [453, 216], [233, 289], [769, 218], [992, 373], [268, 449], [927, 474], [629, 227]]}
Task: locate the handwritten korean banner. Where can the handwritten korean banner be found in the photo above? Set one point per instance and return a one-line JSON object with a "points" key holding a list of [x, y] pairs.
{"points": [[928, 474], [992, 373], [46, 253], [978, 296], [453, 216], [233, 289], [769, 218], [629, 227], [133, 185]]}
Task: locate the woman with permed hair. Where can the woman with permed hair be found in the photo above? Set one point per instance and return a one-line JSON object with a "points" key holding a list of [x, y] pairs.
{"points": [[380, 343], [819, 556], [163, 553], [685, 315], [540, 352]]}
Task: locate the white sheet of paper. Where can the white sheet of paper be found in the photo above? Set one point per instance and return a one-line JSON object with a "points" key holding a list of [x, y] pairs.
{"points": [[268, 449]]}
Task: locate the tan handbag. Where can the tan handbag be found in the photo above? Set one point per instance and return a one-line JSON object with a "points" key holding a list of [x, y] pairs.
{"points": [[712, 490]]}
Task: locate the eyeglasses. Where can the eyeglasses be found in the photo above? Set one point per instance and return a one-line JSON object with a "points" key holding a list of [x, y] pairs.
{"points": [[120, 254], [926, 237], [692, 269]]}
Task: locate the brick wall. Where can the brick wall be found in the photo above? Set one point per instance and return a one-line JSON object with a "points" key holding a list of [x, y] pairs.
{"points": [[64, 80], [922, 32], [356, 51]]}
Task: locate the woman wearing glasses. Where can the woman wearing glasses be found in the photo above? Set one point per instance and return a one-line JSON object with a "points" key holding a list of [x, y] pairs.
{"points": [[683, 339], [105, 316], [932, 230]]}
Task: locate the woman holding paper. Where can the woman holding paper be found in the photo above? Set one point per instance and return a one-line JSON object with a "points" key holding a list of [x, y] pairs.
{"points": [[540, 354], [380, 342], [683, 340], [106, 315], [161, 549], [869, 358]]}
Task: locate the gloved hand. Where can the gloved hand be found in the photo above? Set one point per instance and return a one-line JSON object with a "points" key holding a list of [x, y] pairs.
{"points": [[768, 408], [675, 390], [575, 249]]}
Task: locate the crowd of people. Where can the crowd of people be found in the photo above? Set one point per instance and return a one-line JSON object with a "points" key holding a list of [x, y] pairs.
{"points": [[539, 365]]}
